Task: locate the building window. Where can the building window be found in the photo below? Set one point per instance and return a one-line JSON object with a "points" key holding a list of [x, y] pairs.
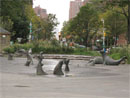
{"points": [[39, 12]]}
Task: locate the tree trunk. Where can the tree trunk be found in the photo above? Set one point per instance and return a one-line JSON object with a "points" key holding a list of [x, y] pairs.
{"points": [[129, 23], [87, 39], [87, 31]]}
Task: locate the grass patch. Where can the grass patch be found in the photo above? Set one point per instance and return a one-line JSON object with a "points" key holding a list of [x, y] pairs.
{"points": [[84, 51]]}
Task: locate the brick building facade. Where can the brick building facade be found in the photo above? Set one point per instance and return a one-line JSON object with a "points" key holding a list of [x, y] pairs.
{"points": [[75, 7], [40, 12], [122, 40]]}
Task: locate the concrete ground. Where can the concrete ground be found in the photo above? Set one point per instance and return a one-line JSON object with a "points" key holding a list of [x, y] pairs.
{"points": [[19, 81]]}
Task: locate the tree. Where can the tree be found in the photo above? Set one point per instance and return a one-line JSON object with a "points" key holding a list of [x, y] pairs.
{"points": [[85, 22], [6, 23], [115, 24], [125, 10], [64, 30], [49, 25], [44, 28], [15, 10]]}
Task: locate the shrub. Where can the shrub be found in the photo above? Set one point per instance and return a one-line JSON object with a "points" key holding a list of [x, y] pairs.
{"points": [[13, 48], [117, 53], [49, 47], [9, 50], [115, 56]]}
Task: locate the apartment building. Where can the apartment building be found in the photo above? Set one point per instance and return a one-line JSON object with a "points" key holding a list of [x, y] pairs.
{"points": [[41, 12], [75, 7]]}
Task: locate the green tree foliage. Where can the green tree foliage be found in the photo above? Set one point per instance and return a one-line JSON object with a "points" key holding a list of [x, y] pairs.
{"points": [[6, 23], [18, 14], [85, 22], [115, 25], [45, 27], [125, 10], [15, 10], [64, 30], [49, 27]]}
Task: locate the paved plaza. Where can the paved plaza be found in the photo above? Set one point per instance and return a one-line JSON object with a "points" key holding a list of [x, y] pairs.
{"points": [[100, 81]]}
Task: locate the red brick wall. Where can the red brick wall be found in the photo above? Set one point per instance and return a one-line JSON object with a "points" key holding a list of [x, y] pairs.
{"points": [[122, 39]]}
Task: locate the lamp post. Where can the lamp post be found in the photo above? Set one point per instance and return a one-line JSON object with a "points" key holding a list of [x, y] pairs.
{"points": [[30, 33], [103, 36], [30, 28]]}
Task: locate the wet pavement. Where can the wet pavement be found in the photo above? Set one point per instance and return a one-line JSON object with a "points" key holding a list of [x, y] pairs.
{"points": [[19, 81]]}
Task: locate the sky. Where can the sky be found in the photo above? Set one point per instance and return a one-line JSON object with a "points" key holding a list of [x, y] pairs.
{"points": [[58, 7]]}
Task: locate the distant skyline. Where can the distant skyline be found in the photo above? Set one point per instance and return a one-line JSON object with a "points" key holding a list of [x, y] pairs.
{"points": [[58, 7]]}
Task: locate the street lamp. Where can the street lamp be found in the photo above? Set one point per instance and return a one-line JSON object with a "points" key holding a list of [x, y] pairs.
{"points": [[103, 36], [30, 27], [30, 33]]}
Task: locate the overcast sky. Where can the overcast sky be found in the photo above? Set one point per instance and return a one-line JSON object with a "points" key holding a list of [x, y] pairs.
{"points": [[58, 7]]}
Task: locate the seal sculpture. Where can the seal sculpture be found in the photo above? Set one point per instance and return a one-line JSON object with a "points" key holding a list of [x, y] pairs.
{"points": [[10, 56], [91, 63], [28, 55], [58, 68], [39, 70], [109, 61], [66, 62], [29, 60], [98, 60]]}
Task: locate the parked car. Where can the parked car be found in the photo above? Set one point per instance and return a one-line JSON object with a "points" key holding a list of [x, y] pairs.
{"points": [[79, 46], [96, 48]]}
